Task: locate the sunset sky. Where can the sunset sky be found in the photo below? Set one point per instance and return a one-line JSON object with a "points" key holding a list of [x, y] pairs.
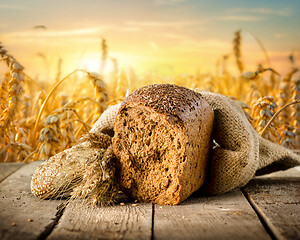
{"points": [[160, 36]]}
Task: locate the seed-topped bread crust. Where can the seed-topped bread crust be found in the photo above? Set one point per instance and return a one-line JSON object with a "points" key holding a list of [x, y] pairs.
{"points": [[162, 142]]}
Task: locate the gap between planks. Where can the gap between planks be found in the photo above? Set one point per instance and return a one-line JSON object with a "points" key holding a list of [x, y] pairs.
{"points": [[268, 225], [227, 216], [152, 222], [83, 221], [50, 227], [276, 199]]}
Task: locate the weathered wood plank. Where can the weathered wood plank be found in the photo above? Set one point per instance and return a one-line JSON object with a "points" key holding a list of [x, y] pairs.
{"points": [[228, 216], [80, 221], [7, 168], [22, 215], [278, 198]]}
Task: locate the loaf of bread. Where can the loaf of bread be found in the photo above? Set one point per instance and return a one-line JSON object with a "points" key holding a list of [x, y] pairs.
{"points": [[162, 142]]}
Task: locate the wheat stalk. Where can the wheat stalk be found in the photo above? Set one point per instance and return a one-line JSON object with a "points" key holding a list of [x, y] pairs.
{"points": [[285, 95], [276, 114], [262, 48], [237, 50], [296, 113], [11, 101], [14, 87], [262, 112], [104, 51], [85, 171], [46, 100], [101, 92]]}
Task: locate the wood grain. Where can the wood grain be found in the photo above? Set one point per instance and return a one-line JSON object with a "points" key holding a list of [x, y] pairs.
{"points": [[8, 168], [279, 201], [276, 198], [22, 215], [228, 216], [130, 221]]}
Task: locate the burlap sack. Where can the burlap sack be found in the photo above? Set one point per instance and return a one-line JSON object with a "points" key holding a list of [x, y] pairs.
{"points": [[239, 152], [106, 121]]}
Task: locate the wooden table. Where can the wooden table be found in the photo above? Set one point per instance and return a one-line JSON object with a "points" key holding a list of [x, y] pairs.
{"points": [[267, 208]]}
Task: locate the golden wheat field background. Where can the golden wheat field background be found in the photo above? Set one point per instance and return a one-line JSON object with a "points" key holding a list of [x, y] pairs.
{"points": [[38, 119]]}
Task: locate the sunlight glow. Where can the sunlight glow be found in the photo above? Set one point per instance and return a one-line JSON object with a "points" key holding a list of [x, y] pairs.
{"points": [[90, 64]]}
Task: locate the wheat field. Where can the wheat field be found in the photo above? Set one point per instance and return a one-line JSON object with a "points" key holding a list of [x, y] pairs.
{"points": [[38, 120]]}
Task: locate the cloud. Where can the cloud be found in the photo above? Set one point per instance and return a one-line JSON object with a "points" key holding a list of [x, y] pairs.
{"points": [[56, 33], [174, 36], [2, 25], [167, 2], [200, 44], [12, 7], [209, 44], [162, 23], [130, 29], [263, 11], [153, 45], [279, 35], [252, 14], [239, 18]]}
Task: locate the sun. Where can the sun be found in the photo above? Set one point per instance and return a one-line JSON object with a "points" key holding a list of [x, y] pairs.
{"points": [[91, 64], [95, 64], [117, 61]]}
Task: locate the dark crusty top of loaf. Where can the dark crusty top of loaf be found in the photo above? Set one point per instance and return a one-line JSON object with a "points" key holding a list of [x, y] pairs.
{"points": [[174, 100]]}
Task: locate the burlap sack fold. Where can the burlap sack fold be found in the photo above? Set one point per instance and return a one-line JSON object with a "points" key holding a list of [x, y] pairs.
{"points": [[239, 152], [106, 121]]}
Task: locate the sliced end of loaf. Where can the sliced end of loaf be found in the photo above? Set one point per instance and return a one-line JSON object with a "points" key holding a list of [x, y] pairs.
{"points": [[151, 154]]}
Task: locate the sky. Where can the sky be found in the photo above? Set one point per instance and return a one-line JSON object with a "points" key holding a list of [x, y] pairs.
{"points": [[164, 37]]}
